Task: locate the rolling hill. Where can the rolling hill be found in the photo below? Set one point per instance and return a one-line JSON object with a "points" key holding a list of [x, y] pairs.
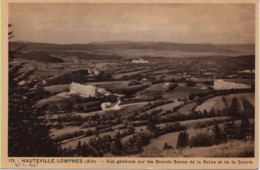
{"points": [[40, 56], [137, 49]]}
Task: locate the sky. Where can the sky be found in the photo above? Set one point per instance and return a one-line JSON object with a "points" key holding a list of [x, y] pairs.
{"points": [[75, 23]]}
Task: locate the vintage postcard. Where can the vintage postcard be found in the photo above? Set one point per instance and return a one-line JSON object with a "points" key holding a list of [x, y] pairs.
{"points": [[161, 84]]}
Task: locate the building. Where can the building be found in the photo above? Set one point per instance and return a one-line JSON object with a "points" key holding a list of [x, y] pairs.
{"points": [[87, 90], [140, 61], [247, 71], [231, 84], [94, 72], [83, 90], [166, 84], [75, 60], [103, 91], [144, 80]]}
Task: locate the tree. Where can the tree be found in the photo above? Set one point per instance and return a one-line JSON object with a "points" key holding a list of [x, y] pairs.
{"points": [[234, 108], [151, 124], [79, 145], [79, 148], [244, 129], [28, 134], [116, 146], [205, 113], [183, 140], [151, 127], [252, 130], [85, 151], [212, 112], [218, 136], [190, 83], [226, 104], [202, 139], [230, 130], [249, 109]]}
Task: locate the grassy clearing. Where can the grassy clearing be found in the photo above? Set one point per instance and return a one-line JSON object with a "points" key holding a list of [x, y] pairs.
{"points": [[234, 148], [188, 123], [171, 138], [110, 84], [51, 99], [74, 143], [69, 129], [118, 76], [183, 92], [57, 88], [169, 106], [186, 109], [217, 102], [172, 76], [153, 90]]}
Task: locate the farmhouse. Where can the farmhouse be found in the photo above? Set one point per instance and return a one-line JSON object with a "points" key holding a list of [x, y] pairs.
{"points": [[140, 61], [230, 84]]}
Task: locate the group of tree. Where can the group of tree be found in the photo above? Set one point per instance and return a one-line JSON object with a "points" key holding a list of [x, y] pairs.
{"points": [[129, 92], [201, 97], [28, 133], [172, 87], [190, 83], [218, 135], [79, 76]]}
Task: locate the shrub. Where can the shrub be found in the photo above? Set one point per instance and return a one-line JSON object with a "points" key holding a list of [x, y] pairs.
{"points": [[171, 87], [202, 139], [167, 147]]}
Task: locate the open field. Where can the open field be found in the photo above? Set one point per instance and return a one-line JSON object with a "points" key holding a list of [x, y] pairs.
{"points": [[217, 102], [183, 92], [74, 143], [69, 129], [149, 103], [186, 109], [57, 88], [236, 148]]}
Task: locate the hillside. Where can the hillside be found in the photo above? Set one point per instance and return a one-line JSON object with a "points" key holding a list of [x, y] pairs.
{"points": [[142, 48], [40, 56]]}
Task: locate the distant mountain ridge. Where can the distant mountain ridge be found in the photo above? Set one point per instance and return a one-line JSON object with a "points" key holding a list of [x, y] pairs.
{"points": [[129, 45]]}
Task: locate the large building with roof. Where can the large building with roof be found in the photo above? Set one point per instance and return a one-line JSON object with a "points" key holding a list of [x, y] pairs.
{"points": [[226, 84], [87, 90], [142, 61]]}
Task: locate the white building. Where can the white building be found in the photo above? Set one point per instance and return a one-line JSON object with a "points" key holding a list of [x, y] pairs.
{"points": [[247, 71], [83, 90], [94, 72], [166, 84], [87, 90], [226, 85], [140, 61]]}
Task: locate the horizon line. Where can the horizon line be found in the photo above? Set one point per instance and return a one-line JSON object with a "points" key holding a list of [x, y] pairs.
{"points": [[124, 41]]}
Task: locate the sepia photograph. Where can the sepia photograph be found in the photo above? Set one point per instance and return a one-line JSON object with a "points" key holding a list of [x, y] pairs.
{"points": [[168, 80]]}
